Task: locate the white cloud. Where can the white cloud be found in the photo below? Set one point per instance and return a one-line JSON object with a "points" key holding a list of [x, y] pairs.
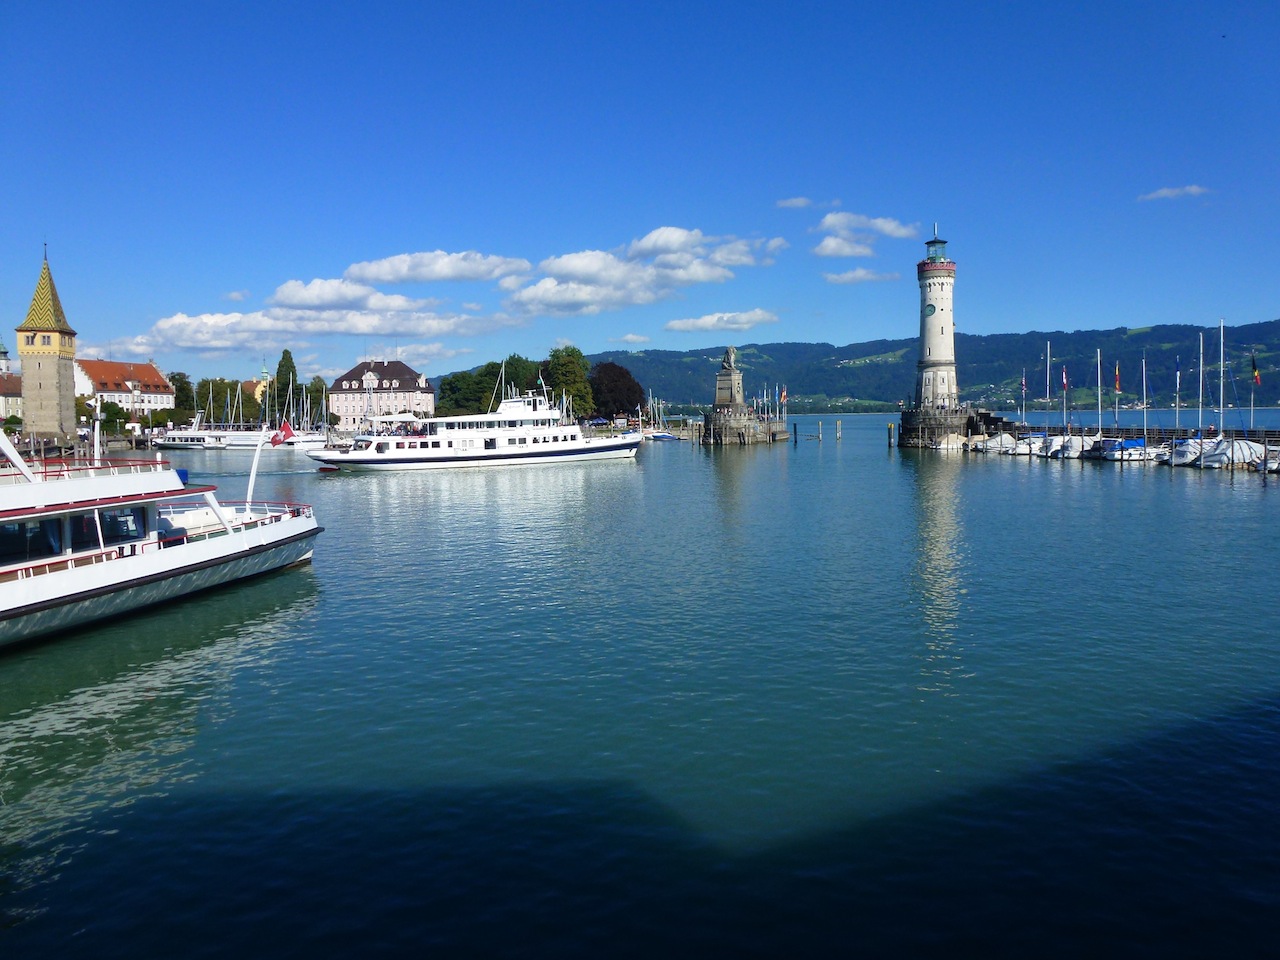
{"points": [[651, 268], [630, 338], [795, 202], [666, 240], [1172, 193], [844, 224], [723, 321], [569, 297], [324, 294], [436, 265], [852, 234], [860, 275], [236, 295], [279, 327], [843, 247]]}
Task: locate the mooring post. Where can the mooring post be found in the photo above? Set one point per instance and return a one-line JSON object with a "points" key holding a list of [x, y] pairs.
{"points": [[891, 436]]}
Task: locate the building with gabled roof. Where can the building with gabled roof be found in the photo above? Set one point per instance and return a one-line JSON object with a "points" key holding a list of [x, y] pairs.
{"points": [[375, 388], [139, 388], [47, 350]]}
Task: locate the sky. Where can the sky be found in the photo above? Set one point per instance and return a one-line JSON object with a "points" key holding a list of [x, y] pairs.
{"points": [[448, 184]]}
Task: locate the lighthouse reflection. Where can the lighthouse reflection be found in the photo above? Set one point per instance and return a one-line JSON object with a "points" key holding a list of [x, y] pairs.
{"points": [[937, 586]]}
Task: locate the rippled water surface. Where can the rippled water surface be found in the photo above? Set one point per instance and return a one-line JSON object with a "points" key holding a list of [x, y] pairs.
{"points": [[818, 697]]}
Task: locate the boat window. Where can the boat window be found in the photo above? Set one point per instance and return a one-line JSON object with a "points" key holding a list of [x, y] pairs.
{"points": [[490, 443], [382, 447], [84, 532], [27, 541], [127, 523], [511, 441]]}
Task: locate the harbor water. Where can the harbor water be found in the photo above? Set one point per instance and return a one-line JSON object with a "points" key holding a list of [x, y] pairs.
{"points": [[826, 697]]}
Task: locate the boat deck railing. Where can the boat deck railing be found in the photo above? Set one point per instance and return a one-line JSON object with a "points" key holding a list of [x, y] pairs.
{"points": [[238, 512], [49, 470]]}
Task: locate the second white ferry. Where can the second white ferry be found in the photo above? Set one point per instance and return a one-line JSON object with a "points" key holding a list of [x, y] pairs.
{"points": [[524, 429]]}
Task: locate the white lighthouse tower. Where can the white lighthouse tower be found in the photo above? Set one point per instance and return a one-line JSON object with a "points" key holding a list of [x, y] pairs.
{"points": [[936, 388]]}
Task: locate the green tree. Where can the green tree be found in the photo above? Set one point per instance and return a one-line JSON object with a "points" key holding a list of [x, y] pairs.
{"points": [[285, 381], [184, 394], [567, 371], [114, 417], [614, 389], [522, 373]]}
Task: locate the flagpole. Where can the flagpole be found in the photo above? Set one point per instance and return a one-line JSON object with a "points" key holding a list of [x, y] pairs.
{"points": [[1117, 413], [253, 474]]}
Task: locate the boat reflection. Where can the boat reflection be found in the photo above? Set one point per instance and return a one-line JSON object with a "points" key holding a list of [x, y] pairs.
{"points": [[96, 720]]}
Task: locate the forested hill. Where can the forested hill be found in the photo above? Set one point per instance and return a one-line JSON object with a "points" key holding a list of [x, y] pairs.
{"points": [[990, 368]]}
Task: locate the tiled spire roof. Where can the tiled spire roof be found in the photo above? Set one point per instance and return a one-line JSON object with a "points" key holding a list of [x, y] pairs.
{"points": [[46, 309]]}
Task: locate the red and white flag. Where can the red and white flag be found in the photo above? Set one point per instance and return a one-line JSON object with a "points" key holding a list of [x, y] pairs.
{"points": [[281, 435]]}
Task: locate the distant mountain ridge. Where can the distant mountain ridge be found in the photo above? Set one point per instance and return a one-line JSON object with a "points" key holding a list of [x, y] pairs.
{"points": [[990, 367]]}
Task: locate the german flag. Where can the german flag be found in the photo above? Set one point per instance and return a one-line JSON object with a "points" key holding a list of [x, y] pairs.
{"points": [[1257, 377]]}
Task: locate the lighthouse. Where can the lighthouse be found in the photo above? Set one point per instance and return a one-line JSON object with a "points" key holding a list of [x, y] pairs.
{"points": [[936, 387]]}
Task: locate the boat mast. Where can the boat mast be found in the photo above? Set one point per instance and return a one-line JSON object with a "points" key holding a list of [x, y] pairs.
{"points": [[1048, 399], [1222, 363], [1099, 392], [1200, 402], [1177, 393], [1144, 403]]}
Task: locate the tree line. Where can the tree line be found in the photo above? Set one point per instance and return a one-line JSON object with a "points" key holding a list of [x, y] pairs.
{"points": [[604, 389]]}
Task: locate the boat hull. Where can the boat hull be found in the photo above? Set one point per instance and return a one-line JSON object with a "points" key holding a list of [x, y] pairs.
{"points": [[611, 448], [40, 605]]}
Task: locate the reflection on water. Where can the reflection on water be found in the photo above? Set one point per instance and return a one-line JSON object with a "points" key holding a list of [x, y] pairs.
{"points": [[99, 719], [937, 579]]}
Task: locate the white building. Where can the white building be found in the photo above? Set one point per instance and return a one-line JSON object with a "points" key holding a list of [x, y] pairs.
{"points": [[137, 388], [374, 388]]}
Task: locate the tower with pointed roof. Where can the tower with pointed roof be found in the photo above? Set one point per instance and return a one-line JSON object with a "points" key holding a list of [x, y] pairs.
{"points": [[47, 351]]}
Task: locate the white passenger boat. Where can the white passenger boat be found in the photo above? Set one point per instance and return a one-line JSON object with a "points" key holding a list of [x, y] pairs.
{"points": [[525, 429], [199, 436], [84, 540]]}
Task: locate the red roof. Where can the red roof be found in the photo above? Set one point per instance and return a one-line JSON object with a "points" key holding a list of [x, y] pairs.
{"points": [[112, 375]]}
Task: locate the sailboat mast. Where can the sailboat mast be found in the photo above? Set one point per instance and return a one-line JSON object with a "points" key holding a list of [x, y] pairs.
{"points": [[1222, 364], [1048, 398], [1144, 403], [1200, 403], [1099, 391]]}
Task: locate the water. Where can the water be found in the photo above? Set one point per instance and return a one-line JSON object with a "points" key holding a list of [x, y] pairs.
{"points": [[808, 698]]}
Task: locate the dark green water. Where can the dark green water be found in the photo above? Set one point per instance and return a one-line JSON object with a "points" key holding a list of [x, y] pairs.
{"points": [[821, 698]]}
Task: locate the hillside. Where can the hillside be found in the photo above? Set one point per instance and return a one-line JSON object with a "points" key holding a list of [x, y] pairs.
{"points": [[990, 368]]}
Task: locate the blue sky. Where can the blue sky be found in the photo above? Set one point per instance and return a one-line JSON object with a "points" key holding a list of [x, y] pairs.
{"points": [[452, 183]]}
